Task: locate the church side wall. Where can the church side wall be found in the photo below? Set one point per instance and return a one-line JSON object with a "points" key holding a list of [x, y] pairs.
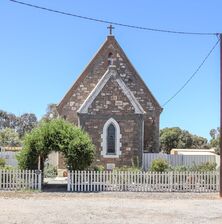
{"points": [[151, 134]]}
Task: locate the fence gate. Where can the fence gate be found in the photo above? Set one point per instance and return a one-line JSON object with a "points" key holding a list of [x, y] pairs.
{"points": [[20, 180], [91, 181]]}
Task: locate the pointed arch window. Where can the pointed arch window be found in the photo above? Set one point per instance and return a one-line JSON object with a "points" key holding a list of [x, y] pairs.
{"points": [[110, 58], [111, 139]]}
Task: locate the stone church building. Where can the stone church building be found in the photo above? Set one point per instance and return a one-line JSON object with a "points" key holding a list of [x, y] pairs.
{"points": [[111, 102]]}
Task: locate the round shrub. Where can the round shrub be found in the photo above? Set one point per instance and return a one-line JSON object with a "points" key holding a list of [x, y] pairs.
{"points": [[159, 165]]}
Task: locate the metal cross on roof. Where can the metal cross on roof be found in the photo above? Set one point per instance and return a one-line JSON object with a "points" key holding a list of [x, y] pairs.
{"points": [[110, 27]]}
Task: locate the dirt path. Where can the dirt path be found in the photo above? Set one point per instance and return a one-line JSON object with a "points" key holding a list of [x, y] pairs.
{"points": [[155, 208]]}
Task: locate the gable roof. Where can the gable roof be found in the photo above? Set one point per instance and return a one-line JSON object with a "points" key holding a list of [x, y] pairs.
{"points": [[109, 41], [108, 74]]}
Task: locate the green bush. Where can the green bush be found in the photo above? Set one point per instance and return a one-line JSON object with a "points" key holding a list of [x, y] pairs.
{"points": [[57, 135], [99, 168], [159, 165], [178, 168], [4, 166], [7, 167], [2, 163], [204, 167]]}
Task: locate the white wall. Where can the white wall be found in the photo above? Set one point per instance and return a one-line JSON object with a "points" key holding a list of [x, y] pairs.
{"points": [[177, 160], [10, 158]]}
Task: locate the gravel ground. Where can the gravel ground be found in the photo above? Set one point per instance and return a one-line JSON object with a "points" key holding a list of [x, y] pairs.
{"points": [[155, 208]]}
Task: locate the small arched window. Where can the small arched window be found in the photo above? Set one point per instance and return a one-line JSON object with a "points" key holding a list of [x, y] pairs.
{"points": [[111, 138], [110, 58]]}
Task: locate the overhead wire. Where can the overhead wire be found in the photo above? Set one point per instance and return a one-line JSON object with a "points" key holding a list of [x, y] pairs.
{"points": [[136, 27], [193, 75], [112, 22]]}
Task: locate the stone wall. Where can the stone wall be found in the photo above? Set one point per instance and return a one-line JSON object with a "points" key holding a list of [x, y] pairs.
{"points": [[89, 78], [130, 129], [111, 100]]}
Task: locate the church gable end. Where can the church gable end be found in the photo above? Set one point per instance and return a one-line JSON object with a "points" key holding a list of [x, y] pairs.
{"points": [[109, 53], [111, 95], [112, 103]]}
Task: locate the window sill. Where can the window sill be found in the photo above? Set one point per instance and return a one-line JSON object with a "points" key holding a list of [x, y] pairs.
{"points": [[111, 156]]}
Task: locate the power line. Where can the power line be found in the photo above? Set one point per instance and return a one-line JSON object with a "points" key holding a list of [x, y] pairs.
{"points": [[134, 27], [192, 76], [111, 22]]}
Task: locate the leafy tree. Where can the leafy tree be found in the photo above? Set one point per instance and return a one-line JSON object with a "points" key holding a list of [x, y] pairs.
{"points": [[51, 112], [8, 137], [177, 138], [7, 120], [200, 142], [169, 138], [215, 139], [21, 124], [26, 123], [185, 140], [57, 135]]}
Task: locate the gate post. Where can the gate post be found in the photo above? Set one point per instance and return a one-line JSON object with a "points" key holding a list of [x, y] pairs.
{"points": [[68, 181], [40, 180]]}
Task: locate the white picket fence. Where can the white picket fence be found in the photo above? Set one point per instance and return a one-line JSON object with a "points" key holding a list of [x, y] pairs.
{"points": [[91, 181], [20, 180], [177, 160]]}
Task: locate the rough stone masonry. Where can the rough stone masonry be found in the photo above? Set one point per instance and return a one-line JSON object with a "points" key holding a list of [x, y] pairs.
{"points": [[113, 104]]}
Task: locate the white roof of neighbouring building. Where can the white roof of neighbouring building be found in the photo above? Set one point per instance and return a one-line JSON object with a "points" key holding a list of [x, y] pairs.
{"points": [[193, 151]]}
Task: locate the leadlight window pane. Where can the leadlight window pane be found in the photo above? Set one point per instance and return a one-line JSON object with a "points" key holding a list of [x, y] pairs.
{"points": [[111, 136]]}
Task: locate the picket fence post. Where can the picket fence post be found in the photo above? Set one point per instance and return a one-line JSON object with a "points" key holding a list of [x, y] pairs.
{"points": [[68, 181]]}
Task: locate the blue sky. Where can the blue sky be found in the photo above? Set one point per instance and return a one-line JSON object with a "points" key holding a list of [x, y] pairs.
{"points": [[42, 54]]}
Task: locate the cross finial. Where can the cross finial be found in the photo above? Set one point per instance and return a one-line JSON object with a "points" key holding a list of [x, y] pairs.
{"points": [[110, 27]]}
